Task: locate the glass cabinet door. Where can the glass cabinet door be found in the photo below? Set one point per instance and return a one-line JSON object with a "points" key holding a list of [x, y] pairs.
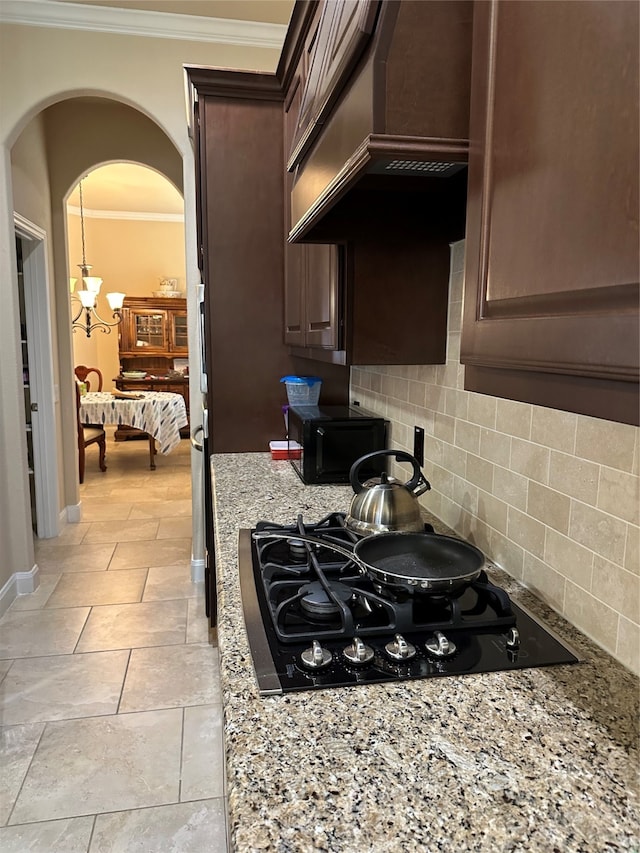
{"points": [[150, 330], [179, 334]]}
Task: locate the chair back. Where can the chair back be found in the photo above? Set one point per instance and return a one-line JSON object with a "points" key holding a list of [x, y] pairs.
{"points": [[82, 372]]}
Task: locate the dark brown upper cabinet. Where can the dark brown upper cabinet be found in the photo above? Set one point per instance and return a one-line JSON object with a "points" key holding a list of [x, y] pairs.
{"points": [[551, 282], [332, 48], [386, 99]]}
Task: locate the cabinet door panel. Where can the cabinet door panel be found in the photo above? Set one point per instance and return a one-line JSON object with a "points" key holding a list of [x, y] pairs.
{"points": [[149, 330], [178, 333], [322, 296], [552, 224]]}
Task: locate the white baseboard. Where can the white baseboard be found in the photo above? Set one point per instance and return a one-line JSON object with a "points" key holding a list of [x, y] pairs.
{"points": [[19, 583], [73, 513], [197, 570]]}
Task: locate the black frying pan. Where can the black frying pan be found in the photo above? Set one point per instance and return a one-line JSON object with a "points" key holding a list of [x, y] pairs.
{"points": [[413, 562]]}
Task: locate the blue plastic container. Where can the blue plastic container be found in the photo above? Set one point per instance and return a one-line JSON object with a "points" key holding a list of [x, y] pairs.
{"points": [[302, 390]]}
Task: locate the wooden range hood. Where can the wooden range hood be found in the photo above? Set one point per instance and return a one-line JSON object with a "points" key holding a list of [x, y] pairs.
{"points": [[385, 112]]}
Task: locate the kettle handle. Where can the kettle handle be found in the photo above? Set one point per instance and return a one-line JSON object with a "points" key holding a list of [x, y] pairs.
{"points": [[417, 484]]}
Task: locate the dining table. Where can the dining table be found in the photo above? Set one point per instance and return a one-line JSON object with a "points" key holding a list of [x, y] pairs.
{"points": [[159, 414]]}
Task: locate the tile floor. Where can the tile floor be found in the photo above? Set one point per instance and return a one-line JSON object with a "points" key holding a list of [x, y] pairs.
{"points": [[110, 714]]}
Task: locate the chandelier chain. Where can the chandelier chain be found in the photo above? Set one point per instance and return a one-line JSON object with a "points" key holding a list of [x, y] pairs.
{"points": [[84, 260]]}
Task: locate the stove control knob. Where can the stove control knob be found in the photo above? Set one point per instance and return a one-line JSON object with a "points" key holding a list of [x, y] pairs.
{"points": [[358, 652], [513, 638], [316, 657], [399, 649], [440, 646]]}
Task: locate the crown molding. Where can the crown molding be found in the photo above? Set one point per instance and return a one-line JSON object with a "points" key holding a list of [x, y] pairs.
{"points": [[140, 216], [136, 22]]}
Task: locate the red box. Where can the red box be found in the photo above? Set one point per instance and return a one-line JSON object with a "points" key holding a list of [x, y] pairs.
{"points": [[285, 450]]}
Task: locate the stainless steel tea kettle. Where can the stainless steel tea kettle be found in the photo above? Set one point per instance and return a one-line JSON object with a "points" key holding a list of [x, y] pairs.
{"points": [[384, 504]]}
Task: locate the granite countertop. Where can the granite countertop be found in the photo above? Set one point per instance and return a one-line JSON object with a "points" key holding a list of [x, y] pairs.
{"points": [[535, 760]]}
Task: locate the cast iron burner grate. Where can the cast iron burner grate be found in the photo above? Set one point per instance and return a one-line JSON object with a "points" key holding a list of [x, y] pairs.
{"points": [[314, 593]]}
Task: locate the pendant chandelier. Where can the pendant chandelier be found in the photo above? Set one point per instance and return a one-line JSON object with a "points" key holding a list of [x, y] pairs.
{"points": [[88, 295]]}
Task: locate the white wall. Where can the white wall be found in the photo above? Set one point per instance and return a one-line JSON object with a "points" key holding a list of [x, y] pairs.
{"points": [[41, 66]]}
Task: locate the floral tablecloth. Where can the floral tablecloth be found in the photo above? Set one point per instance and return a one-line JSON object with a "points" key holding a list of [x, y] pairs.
{"points": [[157, 413]]}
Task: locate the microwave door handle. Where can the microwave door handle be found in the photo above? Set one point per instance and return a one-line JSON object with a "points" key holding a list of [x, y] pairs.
{"points": [[319, 461]]}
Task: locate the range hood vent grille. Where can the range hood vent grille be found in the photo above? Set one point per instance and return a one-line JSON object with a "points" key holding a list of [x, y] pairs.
{"points": [[417, 167]]}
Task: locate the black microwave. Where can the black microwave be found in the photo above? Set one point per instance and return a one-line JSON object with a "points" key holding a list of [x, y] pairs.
{"points": [[332, 438]]}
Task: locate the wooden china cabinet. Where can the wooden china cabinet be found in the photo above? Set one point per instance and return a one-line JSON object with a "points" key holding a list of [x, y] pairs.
{"points": [[153, 333]]}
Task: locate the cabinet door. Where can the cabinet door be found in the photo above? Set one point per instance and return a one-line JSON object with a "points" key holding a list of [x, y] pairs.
{"points": [[149, 331], [178, 332], [322, 296], [551, 279]]}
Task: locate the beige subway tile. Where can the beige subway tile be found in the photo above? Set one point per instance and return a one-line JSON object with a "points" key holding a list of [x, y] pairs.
{"points": [[632, 549], [435, 503], [514, 418], [635, 468], [628, 648], [417, 393], [376, 383], [618, 494], [456, 287], [479, 534], [591, 616], [480, 472], [454, 459], [449, 512], [573, 476], [435, 398], [495, 512], [467, 436], [507, 555], [617, 588], [526, 531], [495, 446], [598, 531], [440, 478], [456, 403], [554, 428], [549, 507], [482, 410], [569, 558], [457, 255], [544, 581], [465, 494], [510, 488], [530, 460], [400, 389], [606, 442], [444, 427]]}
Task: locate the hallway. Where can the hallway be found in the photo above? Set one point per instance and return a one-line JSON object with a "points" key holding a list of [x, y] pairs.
{"points": [[110, 706]]}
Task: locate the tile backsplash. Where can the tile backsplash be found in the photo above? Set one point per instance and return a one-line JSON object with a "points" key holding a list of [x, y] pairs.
{"points": [[552, 497]]}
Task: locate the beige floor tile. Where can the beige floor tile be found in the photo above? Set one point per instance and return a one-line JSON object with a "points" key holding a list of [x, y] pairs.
{"points": [[38, 598], [166, 509], [123, 531], [197, 621], [74, 558], [175, 528], [92, 588], [167, 582], [170, 677], [63, 687], [130, 626], [153, 494], [17, 746], [97, 509], [71, 534], [197, 827], [102, 764], [202, 753], [52, 836], [156, 552], [33, 633]]}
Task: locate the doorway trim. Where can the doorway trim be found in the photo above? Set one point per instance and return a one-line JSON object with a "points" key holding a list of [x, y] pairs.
{"points": [[43, 391]]}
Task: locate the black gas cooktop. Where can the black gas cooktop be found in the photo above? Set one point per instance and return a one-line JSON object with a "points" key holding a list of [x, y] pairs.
{"points": [[315, 621]]}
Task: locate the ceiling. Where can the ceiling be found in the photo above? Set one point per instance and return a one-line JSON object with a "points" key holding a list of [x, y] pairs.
{"points": [[136, 189], [263, 11], [127, 187]]}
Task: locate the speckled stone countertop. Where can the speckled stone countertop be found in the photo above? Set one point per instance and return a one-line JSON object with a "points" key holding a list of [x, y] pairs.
{"points": [[538, 760]]}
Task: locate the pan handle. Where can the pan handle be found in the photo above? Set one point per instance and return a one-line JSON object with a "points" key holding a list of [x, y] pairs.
{"points": [[417, 484], [312, 540]]}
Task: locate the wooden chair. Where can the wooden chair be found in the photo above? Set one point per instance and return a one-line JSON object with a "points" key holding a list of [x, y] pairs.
{"points": [[89, 435], [82, 372]]}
